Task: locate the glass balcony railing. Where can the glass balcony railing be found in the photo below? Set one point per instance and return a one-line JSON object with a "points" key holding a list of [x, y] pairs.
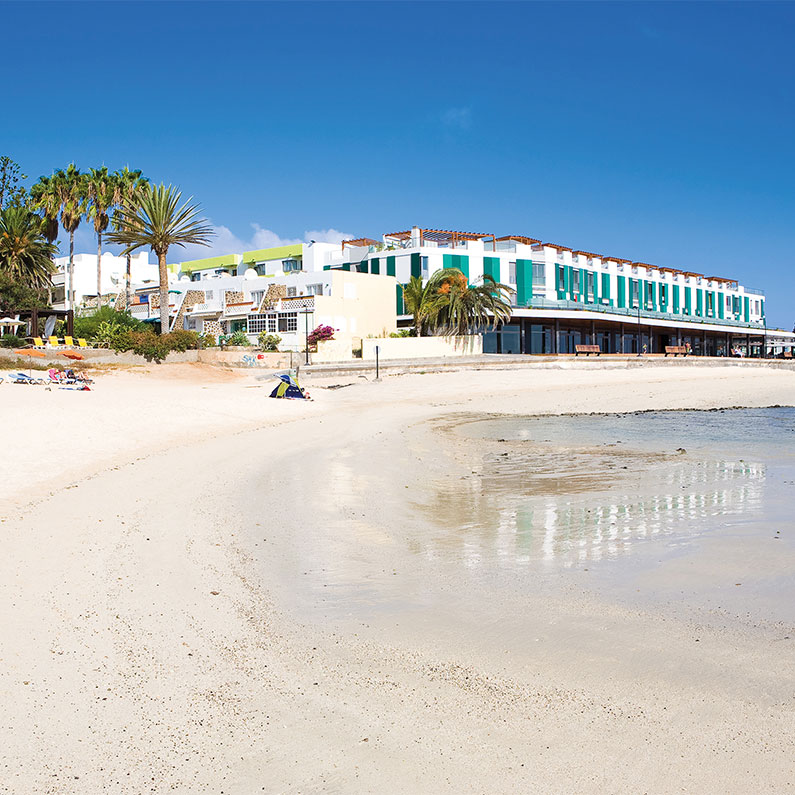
{"points": [[544, 303]]}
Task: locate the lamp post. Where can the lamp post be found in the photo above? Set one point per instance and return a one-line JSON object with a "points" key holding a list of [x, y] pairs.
{"points": [[306, 313]]}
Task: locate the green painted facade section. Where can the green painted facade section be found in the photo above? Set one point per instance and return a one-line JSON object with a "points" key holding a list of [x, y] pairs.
{"points": [[676, 299], [524, 281], [416, 266], [688, 301], [491, 267], [460, 261], [361, 267], [224, 261], [700, 303], [605, 291], [399, 308], [390, 266], [279, 252], [721, 305], [747, 307], [621, 281]]}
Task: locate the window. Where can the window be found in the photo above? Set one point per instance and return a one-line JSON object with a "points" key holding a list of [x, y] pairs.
{"points": [[195, 277], [424, 262], [511, 273], [271, 324], [710, 304], [208, 295], [633, 292], [257, 295], [663, 294], [257, 323], [589, 281], [561, 277], [314, 289], [539, 274], [291, 292], [288, 321], [575, 288], [728, 303], [291, 265]]}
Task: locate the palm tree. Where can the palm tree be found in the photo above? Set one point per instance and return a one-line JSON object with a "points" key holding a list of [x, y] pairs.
{"points": [[46, 199], [423, 301], [102, 193], [71, 187], [25, 253], [130, 186], [160, 222], [450, 305]]}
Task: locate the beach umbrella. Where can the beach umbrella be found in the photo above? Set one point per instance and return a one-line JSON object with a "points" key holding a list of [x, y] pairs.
{"points": [[10, 321], [31, 352]]}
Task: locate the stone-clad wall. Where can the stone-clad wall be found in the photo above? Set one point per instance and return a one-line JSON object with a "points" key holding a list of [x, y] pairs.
{"points": [[275, 294]]}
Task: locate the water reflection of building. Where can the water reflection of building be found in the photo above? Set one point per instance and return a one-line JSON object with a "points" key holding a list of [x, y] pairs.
{"points": [[677, 503]]}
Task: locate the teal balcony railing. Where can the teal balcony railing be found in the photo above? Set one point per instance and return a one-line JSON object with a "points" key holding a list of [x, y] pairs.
{"points": [[536, 302]]}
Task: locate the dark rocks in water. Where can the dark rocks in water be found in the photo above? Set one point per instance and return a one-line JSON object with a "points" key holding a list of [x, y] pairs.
{"points": [[681, 450]]}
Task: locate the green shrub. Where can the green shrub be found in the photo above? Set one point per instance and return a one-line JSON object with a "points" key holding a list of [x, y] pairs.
{"points": [[404, 332], [183, 340], [86, 326], [269, 342], [238, 338], [12, 341], [207, 341]]}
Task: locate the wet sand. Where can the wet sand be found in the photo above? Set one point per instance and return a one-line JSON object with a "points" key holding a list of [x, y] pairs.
{"points": [[301, 604]]}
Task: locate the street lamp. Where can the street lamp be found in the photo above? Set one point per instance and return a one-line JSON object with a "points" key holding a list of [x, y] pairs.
{"points": [[306, 313]]}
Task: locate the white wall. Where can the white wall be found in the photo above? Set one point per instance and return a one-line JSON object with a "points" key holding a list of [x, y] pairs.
{"points": [[422, 347]]}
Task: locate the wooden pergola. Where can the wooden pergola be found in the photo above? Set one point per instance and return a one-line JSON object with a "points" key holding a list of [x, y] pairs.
{"points": [[34, 315]]}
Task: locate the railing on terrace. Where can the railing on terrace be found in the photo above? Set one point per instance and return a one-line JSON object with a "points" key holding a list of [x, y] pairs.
{"points": [[754, 291], [544, 303], [296, 303], [208, 306]]}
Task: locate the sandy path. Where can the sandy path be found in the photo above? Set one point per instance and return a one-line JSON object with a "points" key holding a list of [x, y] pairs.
{"points": [[144, 648]]}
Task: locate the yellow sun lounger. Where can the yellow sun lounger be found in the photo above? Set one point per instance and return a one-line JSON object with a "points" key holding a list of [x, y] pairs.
{"points": [[81, 342], [54, 342], [38, 342], [69, 342]]}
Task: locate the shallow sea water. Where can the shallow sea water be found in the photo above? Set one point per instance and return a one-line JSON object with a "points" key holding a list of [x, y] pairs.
{"points": [[682, 502]]}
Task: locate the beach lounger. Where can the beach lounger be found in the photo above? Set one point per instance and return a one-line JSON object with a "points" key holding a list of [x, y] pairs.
{"points": [[53, 342], [38, 342], [81, 342], [24, 378], [69, 342]]}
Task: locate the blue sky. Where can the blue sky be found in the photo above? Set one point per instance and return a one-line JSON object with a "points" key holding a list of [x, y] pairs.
{"points": [[652, 131]]}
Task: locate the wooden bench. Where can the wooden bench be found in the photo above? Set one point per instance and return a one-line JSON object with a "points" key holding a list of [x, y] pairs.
{"points": [[787, 354], [587, 349], [676, 349]]}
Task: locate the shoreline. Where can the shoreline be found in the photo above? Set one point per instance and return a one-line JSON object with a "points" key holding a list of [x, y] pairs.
{"points": [[155, 585]]}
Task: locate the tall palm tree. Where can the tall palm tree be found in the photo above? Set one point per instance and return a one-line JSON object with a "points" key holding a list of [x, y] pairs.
{"points": [[159, 222], [130, 188], [46, 199], [450, 305], [101, 194], [71, 187], [25, 253]]}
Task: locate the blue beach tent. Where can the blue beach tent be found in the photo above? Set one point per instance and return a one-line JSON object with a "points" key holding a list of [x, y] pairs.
{"points": [[288, 388]]}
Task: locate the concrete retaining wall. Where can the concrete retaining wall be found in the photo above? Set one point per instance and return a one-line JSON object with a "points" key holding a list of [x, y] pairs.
{"points": [[422, 347]]}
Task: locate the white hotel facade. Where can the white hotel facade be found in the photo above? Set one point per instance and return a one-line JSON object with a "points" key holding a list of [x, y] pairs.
{"points": [[564, 297], [561, 297]]}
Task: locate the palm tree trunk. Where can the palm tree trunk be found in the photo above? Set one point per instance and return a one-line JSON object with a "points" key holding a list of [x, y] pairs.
{"points": [[163, 272], [71, 294], [128, 277], [99, 269]]}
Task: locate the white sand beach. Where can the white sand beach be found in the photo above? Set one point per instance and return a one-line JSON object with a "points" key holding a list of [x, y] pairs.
{"points": [[204, 590]]}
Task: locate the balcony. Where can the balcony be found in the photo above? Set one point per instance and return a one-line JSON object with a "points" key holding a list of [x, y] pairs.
{"points": [[298, 303]]}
